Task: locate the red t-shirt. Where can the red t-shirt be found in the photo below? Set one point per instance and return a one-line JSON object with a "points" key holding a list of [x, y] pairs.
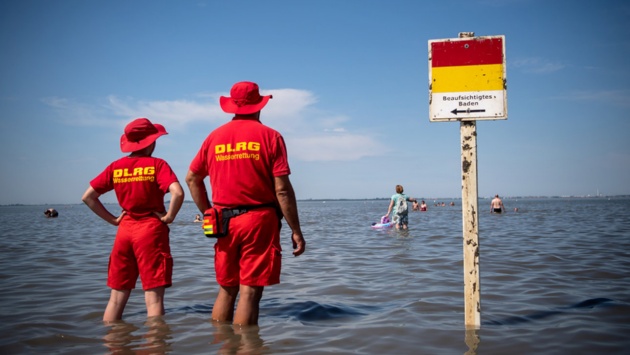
{"points": [[140, 184], [242, 157]]}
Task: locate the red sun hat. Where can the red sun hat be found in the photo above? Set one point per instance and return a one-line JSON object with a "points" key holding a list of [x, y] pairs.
{"points": [[245, 99], [139, 134]]}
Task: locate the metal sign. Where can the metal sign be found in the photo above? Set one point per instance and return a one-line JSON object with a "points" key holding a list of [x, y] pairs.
{"points": [[467, 79]]}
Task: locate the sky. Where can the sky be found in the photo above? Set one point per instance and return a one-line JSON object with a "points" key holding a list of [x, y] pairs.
{"points": [[350, 90]]}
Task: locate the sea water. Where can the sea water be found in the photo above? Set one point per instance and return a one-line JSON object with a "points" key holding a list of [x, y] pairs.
{"points": [[554, 275]]}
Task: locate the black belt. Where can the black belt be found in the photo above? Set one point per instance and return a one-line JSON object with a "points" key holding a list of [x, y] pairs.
{"points": [[233, 212]]}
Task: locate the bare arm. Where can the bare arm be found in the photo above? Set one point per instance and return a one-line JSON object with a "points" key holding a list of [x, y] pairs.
{"points": [[91, 199], [198, 191], [389, 209], [288, 205], [177, 199]]}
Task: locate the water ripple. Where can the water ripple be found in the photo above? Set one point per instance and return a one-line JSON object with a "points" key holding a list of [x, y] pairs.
{"points": [[553, 279]]}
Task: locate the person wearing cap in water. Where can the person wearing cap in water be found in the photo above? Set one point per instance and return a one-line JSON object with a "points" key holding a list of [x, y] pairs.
{"points": [[141, 247], [248, 169]]}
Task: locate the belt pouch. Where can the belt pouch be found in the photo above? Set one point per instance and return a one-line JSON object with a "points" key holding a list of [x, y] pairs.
{"points": [[215, 225]]}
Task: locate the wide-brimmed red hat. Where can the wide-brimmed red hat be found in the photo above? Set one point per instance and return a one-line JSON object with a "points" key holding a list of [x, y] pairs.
{"points": [[245, 99], [139, 134]]}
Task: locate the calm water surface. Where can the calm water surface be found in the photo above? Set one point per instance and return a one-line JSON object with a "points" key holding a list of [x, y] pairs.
{"points": [[554, 280]]}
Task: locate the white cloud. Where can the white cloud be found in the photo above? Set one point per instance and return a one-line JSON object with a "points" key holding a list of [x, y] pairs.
{"points": [[536, 65], [615, 97], [171, 113], [289, 109], [337, 130], [79, 114], [336, 147], [312, 134], [288, 102]]}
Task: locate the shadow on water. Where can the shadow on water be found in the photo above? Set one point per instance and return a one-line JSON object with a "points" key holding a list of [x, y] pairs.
{"points": [[310, 312], [590, 303], [198, 308], [306, 312]]}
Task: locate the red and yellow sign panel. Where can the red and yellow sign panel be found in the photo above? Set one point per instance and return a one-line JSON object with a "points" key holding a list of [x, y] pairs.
{"points": [[467, 79]]}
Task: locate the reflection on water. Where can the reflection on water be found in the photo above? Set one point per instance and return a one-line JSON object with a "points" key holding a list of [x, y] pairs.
{"points": [[153, 338], [472, 341], [238, 340], [553, 279]]}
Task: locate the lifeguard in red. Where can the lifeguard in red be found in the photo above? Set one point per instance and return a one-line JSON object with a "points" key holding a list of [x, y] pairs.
{"points": [[140, 184], [141, 247], [244, 156], [249, 177]]}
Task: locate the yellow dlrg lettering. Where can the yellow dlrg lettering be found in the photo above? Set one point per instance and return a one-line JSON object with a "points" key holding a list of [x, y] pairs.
{"points": [[241, 146], [149, 170], [238, 147]]}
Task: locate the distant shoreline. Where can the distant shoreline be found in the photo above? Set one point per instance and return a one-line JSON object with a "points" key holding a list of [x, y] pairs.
{"points": [[459, 198], [370, 199]]}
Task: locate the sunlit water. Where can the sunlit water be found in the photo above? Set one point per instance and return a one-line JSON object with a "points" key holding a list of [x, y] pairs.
{"points": [[555, 279]]}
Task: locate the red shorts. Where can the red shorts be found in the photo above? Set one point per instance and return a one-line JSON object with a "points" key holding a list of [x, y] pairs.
{"points": [[141, 248], [250, 254]]}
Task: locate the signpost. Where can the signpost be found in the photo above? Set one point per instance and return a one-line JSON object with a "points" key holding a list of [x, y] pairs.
{"points": [[467, 79], [467, 83]]}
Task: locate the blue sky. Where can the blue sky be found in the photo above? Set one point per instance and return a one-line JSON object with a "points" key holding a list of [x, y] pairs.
{"points": [[350, 86]]}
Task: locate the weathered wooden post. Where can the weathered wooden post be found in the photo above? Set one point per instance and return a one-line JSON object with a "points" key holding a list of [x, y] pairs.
{"points": [[467, 83], [470, 220], [470, 225]]}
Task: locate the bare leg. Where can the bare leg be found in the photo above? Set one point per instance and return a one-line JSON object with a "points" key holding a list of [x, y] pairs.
{"points": [[223, 309], [154, 298], [248, 305], [116, 305]]}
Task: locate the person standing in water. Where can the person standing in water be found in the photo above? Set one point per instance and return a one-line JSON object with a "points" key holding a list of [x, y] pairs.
{"points": [[496, 205], [398, 203], [248, 168], [141, 247]]}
